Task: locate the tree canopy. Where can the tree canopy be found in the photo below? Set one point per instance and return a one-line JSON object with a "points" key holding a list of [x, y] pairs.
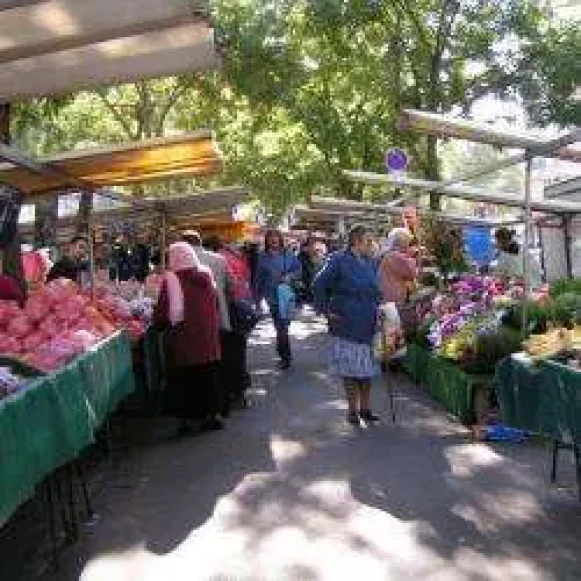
{"points": [[311, 87]]}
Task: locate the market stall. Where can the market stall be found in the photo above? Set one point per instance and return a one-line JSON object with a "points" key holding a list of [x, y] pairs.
{"points": [[73, 338], [68, 334], [456, 334], [66, 408]]}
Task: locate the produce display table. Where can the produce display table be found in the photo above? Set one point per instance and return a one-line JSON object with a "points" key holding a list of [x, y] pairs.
{"points": [[542, 397], [445, 381], [51, 420]]}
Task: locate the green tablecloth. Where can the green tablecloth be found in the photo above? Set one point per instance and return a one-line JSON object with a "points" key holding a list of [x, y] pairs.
{"points": [[444, 380], [108, 376], [544, 398], [55, 417]]}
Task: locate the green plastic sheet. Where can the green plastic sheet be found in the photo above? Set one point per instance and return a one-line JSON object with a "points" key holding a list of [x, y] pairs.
{"points": [[445, 381], [542, 397], [55, 417]]}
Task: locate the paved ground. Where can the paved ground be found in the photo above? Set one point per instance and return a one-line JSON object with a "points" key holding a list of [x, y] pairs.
{"points": [[289, 492]]}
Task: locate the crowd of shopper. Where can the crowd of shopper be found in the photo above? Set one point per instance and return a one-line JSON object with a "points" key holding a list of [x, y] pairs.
{"points": [[211, 298]]}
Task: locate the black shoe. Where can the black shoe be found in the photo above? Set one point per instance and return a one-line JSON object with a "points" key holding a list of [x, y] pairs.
{"points": [[368, 416], [184, 429], [212, 425], [353, 418], [285, 364]]}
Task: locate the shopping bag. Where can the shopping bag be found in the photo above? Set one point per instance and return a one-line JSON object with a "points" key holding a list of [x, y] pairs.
{"points": [[286, 302]]}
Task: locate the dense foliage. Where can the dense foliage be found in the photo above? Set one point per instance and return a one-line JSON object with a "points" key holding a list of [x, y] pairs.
{"points": [[311, 87]]}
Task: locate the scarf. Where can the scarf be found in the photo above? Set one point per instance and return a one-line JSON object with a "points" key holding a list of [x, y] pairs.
{"points": [[181, 257]]}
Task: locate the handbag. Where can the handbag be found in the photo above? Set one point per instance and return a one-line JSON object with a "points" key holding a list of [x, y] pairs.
{"points": [[243, 316]]}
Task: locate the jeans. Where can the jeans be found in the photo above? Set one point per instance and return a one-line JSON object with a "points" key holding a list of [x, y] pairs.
{"points": [[283, 347]]}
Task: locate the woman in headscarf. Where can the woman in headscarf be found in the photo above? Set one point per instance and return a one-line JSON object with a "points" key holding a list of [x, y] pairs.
{"points": [[397, 269], [188, 309], [346, 292]]}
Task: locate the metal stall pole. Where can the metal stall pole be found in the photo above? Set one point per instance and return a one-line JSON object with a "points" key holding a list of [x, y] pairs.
{"points": [[91, 236], [567, 226], [163, 236], [526, 256]]}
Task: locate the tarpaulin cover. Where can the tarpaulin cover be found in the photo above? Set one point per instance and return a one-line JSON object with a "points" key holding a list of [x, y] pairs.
{"points": [[478, 242], [544, 398], [56, 416]]}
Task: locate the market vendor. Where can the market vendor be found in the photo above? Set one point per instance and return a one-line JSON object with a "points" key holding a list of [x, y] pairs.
{"points": [[10, 290], [74, 265], [509, 263], [398, 267]]}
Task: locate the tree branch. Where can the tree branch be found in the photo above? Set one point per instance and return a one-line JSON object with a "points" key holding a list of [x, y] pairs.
{"points": [[171, 101], [404, 6], [116, 114]]}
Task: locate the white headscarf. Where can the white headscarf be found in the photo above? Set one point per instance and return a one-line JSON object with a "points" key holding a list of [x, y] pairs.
{"points": [[181, 257]]}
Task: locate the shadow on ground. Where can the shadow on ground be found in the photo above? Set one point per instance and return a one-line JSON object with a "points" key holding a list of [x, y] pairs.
{"points": [[288, 491]]}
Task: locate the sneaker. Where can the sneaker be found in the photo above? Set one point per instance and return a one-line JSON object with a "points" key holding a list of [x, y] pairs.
{"points": [[368, 416]]}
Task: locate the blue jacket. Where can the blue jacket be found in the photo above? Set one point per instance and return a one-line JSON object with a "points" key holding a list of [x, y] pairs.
{"points": [[347, 287], [271, 267]]}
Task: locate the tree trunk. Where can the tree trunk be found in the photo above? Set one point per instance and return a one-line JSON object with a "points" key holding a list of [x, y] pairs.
{"points": [[12, 255]]}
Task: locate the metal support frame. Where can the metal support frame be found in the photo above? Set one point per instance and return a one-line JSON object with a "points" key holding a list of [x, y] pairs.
{"points": [[567, 221], [526, 255], [163, 240], [536, 151]]}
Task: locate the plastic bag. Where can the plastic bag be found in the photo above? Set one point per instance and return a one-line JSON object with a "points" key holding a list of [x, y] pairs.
{"points": [[286, 302]]}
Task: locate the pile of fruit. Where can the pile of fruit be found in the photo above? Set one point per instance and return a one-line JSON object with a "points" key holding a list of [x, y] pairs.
{"points": [[550, 343], [58, 323]]}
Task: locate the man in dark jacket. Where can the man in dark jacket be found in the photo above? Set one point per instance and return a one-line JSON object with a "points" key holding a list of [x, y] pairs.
{"points": [[74, 264]]}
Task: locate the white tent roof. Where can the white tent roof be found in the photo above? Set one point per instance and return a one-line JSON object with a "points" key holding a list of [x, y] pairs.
{"points": [[444, 126], [50, 47], [569, 190], [324, 210], [180, 211], [463, 192]]}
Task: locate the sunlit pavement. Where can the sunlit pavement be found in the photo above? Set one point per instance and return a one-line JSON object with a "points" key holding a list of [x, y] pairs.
{"points": [[289, 491]]}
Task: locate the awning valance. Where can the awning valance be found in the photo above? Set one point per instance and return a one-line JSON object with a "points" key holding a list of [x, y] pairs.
{"points": [[191, 155]]}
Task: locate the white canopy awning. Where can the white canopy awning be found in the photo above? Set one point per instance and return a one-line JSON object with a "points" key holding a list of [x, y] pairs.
{"points": [[444, 126], [178, 211], [50, 47], [324, 209]]}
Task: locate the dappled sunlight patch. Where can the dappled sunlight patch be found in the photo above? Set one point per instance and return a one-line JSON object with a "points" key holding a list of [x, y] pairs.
{"points": [[133, 563], [427, 423], [285, 451], [492, 512], [467, 459], [475, 565]]}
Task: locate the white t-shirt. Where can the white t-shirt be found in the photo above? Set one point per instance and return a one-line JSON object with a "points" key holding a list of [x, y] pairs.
{"points": [[511, 266]]}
